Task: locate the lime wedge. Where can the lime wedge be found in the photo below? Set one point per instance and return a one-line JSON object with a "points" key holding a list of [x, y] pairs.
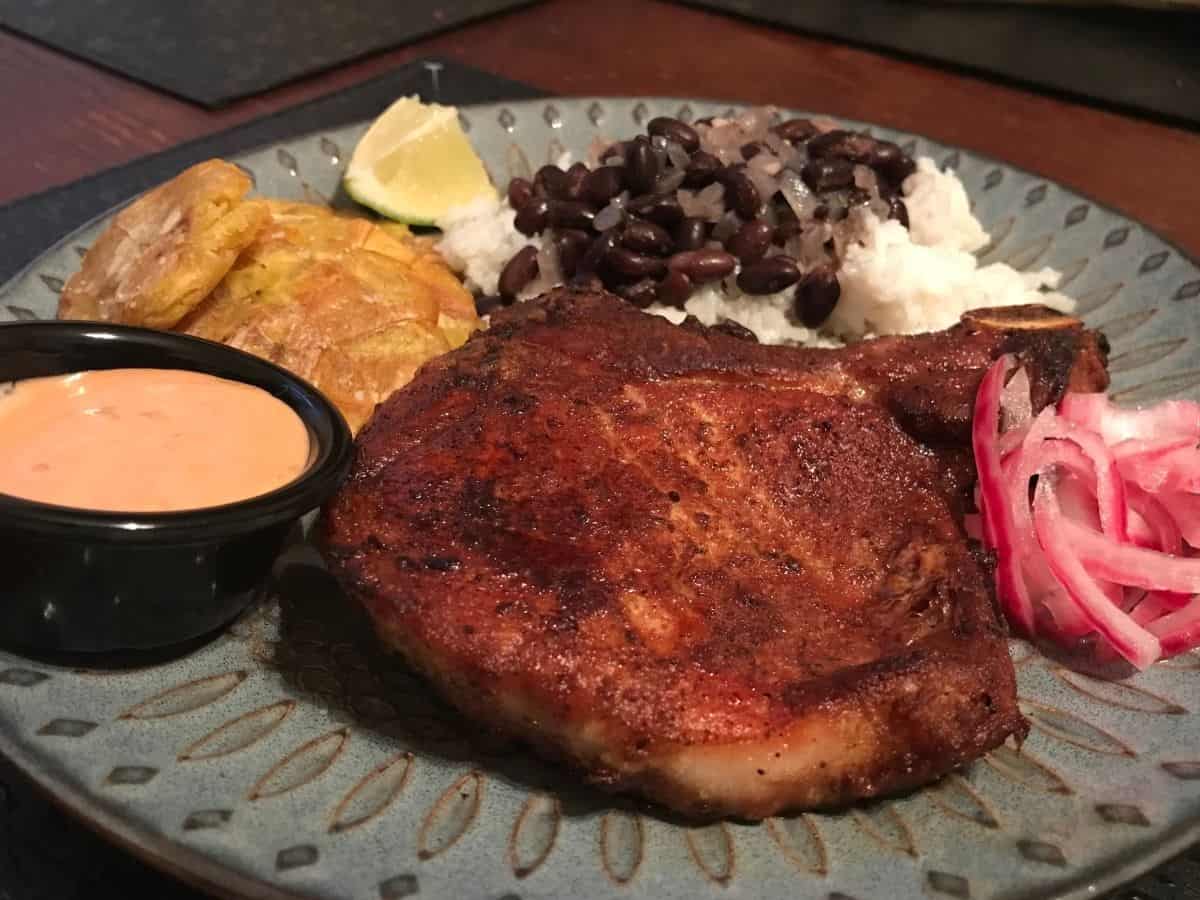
{"points": [[414, 163]]}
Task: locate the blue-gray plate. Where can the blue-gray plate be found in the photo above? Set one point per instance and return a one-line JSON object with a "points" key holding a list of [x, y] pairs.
{"points": [[290, 757]]}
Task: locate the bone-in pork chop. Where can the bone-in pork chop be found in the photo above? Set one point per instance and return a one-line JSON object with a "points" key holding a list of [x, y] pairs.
{"points": [[730, 577]]}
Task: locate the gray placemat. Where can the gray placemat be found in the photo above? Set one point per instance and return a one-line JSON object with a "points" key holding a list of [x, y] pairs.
{"points": [[1138, 60], [214, 51], [30, 225]]}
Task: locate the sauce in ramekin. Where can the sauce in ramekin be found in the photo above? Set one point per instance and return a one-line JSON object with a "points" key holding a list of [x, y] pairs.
{"points": [[145, 440]]}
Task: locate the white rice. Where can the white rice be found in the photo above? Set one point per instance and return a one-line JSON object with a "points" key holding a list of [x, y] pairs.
{"points": [[478, 240], [894, 280]]}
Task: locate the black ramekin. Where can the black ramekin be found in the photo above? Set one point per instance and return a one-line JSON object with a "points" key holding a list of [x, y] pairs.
{"points": [[86, 581]]}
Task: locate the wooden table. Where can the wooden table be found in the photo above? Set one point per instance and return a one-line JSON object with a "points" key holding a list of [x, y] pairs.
{"points": [[82, 119]]}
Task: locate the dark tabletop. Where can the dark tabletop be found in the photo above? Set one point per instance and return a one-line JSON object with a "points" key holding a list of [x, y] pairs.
{"points": [[86, 119]]}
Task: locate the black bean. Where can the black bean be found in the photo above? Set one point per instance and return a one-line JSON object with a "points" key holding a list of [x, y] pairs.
{"points": [[602, 184], [751, 150], [795, 130], [817, 294], [740, 193], [571, 214], [674, 289], [734, 329], [706, 121], [612, 151], [531, 218], [701, 170], [840, 143], [595, 254], [690, 234], [787, 225], [641, 167], [641, 293], [550, 181], [571, 244], [750, 242], [784, 212], [574, 184], [703, 265], [785, 231], [897, 210], [828, 174], [886, 158], [769, 276], [646, 237], [894, 166], [663, 209], [520, 192], [489, 303], [518, 272], [674, 130], [630, 265]]}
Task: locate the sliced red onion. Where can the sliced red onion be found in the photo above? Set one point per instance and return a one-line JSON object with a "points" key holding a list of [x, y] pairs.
{"points": [[997, 521], [1110, 488], [1150, 449], [1097, 413], [1129, 639], [1131, 565], [1077, 498], [1027, 572], [1016, 408], [1167, 468], [1157, 528], [1105, 547], [1184, 510], [1178, 631], [1156, 604]]}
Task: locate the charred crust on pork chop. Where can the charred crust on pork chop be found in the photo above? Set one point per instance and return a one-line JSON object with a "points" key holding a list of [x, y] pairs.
{"points": [[730, 577]]}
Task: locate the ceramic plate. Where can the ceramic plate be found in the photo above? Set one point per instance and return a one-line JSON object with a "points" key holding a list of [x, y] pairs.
{"points": [[291, 757]]}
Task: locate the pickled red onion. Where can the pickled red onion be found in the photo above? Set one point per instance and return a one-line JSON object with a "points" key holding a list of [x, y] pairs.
{"points": [[1105, 544]]}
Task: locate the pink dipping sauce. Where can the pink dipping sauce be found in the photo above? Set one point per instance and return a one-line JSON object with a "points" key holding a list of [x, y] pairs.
{"points": [[145, 440]]}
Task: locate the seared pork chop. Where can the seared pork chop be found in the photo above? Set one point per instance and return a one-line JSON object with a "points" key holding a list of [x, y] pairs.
{"points": [[727, 576]]}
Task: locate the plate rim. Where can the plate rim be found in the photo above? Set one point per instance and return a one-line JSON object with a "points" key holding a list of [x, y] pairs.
{"points": [[1194, 259], [208, 874]]}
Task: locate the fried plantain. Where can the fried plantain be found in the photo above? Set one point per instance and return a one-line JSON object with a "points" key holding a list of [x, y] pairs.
{"points": [[341, 302], [167, 250], [353, 306]]}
